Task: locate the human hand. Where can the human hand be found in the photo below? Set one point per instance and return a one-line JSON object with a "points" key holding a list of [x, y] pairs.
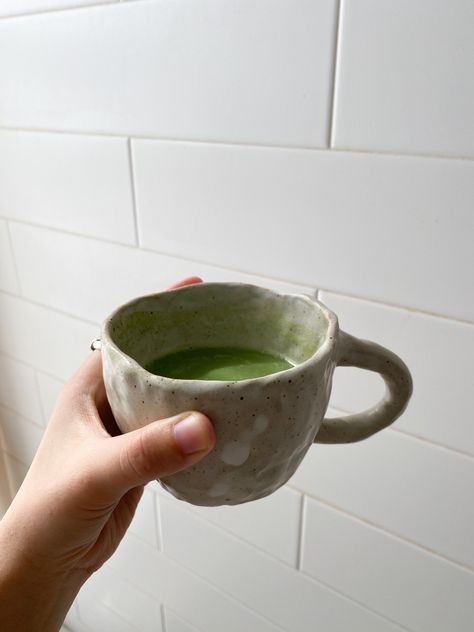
{"points": [[80, 495]]}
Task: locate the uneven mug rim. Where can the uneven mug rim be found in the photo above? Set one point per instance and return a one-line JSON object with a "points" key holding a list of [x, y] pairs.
{"points": [[321, 352]]}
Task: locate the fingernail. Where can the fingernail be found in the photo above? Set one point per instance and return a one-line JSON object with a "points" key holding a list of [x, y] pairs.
{"points": [[191, 434]]}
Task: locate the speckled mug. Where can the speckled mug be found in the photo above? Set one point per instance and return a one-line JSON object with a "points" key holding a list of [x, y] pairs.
{"points": [[264, 426]]}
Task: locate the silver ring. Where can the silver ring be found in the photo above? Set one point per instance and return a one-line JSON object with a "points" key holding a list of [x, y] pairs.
{"points": [[96, 344]]}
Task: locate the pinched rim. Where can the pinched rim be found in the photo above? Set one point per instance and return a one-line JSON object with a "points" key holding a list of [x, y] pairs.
{"points": [[321, 352]]}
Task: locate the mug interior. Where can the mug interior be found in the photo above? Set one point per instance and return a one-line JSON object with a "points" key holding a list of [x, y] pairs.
{"points": [[291, 326]]}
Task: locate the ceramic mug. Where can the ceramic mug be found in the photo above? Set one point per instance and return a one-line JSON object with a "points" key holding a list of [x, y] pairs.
{"points": [[264, 426]]}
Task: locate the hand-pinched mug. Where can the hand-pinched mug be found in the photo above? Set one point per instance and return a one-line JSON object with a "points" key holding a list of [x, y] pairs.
{"points": [[264, 426]]}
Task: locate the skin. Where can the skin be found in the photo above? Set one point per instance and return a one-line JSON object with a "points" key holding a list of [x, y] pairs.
{"points": [[80, 495]]}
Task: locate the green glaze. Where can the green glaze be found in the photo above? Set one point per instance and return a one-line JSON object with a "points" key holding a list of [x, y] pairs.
{"points": [[218, 363]]}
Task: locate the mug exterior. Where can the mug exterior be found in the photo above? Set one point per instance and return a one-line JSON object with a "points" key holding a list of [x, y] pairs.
{"points": [[264, 426]]}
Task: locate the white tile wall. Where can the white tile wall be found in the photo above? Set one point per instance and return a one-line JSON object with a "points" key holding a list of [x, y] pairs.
{"points": [[76, 183], [20, 7], [199, 601], [163, 103], [85, 283], [63, 344], [176, 624], [403, 77], [355, 222], [409, 487], [8, 277], [49, 388], [18, 388], [248, 78], [395, 578], [21, 437], [439, 354], [279, 593]]}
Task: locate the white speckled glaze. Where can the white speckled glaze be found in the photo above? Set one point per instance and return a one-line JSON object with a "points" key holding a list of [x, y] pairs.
{"points": [[264, 426]]}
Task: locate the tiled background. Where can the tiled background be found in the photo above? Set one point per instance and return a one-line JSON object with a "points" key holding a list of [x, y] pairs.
{"points": [[298, 144]]}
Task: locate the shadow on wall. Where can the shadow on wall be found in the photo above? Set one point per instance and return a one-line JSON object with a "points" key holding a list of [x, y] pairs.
{"points": [[5, 491]]}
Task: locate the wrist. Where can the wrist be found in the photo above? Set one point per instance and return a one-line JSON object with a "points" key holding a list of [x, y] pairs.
{"points": [[33, 595]]}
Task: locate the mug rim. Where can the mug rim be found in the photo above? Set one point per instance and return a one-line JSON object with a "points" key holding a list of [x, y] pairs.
{"points": [[321, 352]]}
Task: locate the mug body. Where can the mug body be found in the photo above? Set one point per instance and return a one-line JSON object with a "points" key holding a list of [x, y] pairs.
{"points": [[264, 426]]}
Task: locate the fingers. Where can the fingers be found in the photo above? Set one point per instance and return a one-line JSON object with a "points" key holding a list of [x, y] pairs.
{"points": [[159, 449], [186, 281]]}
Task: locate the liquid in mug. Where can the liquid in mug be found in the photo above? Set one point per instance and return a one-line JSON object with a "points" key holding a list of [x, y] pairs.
{"points": [[218, 363]]}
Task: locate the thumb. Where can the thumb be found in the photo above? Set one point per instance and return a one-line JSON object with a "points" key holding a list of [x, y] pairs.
{"points": [[156, 450]]}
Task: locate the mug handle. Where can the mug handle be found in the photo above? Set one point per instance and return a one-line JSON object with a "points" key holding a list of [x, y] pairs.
{"points": [[373, 357]]}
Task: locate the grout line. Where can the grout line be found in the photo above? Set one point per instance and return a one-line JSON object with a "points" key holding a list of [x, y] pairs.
{"points": [[301, 533], [134, 192], [59, 9], [31, 366], [40, 399], [222, 268], [335, 65], [309, 578], [383, 530], [163, 618], [235, 144], [345, 413], [66, 231], [9, 409], [411, 310], [176, 614], [12, 250], [158, 528], [51, 308]]}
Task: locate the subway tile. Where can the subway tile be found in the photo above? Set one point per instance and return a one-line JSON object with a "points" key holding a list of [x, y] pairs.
{"points": [[413, 587], [144, 522], [15, 472], [73, 622], [8, 277], [96, 616], [21, 437], [411, 488], [77, 270], [45, 339], [76, 183], [279, 593], [182, 591], [257, 73], [18, 389], [49, 389], [271, 524], [442, 375], [176, 624], [402, 77], [20, 7], [107, 589], [381, 227]]}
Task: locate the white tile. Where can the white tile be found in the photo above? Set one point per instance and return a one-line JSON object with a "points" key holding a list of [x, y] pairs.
{"points": [[279, 593], [5, 489], [256, 73], [403, 77], [16, 472], [398, 580], [176, 624], [107, 588], [174, 586], [438, 353], [49, 389], [74, 272], [8, 277], [409, 487], [21, 437], [73, 622], [144, 522], [18, 389], [76, 183], [394, 229], [272, 523], [19, 7], [49, 341], [96, 616]]}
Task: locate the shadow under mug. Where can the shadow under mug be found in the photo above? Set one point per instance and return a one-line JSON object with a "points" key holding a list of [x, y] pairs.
{"points": [[264, 426]]}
